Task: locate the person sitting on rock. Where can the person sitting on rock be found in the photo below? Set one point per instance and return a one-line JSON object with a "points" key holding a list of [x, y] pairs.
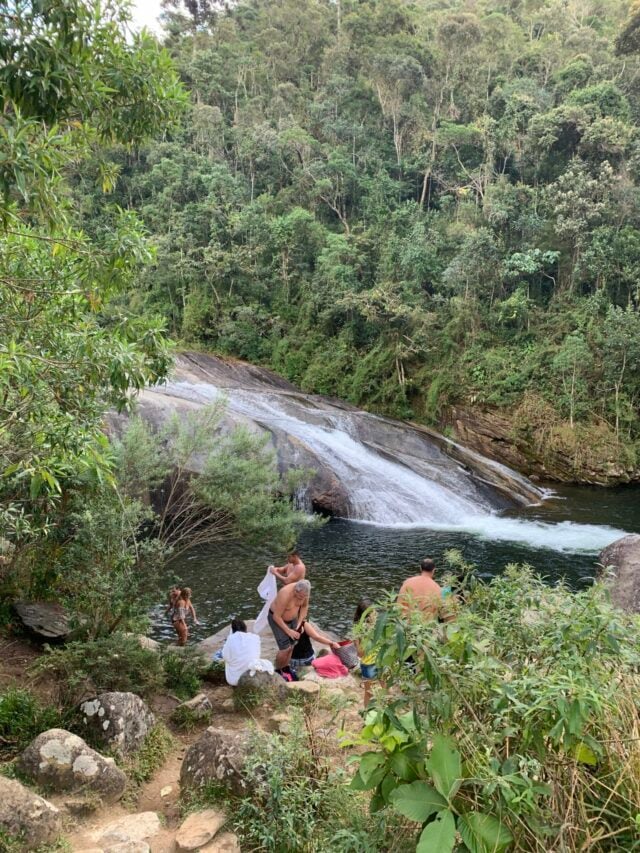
{"points": [[294, 570], [286, 616], [303, 653], [241, 653]]}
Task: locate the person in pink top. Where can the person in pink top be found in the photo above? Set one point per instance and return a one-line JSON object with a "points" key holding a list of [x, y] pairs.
{"points": [[421, 592]]}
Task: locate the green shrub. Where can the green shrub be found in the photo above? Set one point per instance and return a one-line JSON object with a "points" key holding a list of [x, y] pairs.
{"points": [[514, 726], [151, 756], [215, 673], [183, 672], [113, 663], [299, 801], [188, 720], [22, 717]]}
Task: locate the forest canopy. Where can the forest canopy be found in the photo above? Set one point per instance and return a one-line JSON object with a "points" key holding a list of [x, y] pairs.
{"points": [[409, 205]]}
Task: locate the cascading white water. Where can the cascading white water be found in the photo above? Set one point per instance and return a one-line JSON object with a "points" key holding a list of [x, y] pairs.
{"points": [[391, 489]]}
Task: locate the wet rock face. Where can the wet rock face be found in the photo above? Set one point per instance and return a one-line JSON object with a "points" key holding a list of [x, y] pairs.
{"points": [[623, 558], [27, 816], [120, 721], [305, 430], [61, 761], [218, 755]]}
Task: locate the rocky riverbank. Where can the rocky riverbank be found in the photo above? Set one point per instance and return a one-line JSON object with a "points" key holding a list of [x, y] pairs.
{"points": [[85, 789], [535, 441]]}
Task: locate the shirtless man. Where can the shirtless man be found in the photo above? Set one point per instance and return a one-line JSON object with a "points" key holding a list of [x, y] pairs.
{"points": [[286, 615], [292, 572], [421, 592]]}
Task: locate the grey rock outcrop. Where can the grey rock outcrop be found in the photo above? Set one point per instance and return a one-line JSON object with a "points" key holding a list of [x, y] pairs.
{"points": [[218, 755], [45, 619], [623, 557], [26, 816], [273, 686], [120, 721], [61, 761]]}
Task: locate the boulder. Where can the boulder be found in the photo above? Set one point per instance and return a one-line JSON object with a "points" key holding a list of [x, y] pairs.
{"points": [[262, 682], [120, 721], [199, 708], [61, 761], [27, 816], [623, 556], [218, 755], [312, 688], [147, 643], [227, 842], [45, 619], [199, 828], [134, 830]]}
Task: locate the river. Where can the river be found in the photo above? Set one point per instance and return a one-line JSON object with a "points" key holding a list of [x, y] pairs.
{"points": [[561, 538]]}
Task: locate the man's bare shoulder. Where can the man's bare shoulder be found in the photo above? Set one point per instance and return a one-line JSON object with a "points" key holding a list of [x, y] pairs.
{"points": [[411, 583]]}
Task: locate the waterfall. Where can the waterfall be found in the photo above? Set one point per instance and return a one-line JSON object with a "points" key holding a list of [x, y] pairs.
{"points": [[394, 476]]}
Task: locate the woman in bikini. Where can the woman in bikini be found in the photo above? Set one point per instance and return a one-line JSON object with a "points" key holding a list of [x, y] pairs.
{"points": [[182, 609]]}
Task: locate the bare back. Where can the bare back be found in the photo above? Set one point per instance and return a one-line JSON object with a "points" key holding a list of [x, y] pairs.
{"points": [[421, 592]]}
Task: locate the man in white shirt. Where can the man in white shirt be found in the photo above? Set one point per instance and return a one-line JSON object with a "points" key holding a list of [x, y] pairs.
{"points": [[241, 653]]}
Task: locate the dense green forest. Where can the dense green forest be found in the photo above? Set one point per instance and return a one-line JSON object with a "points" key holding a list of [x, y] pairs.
{"points": [[408, 205]]}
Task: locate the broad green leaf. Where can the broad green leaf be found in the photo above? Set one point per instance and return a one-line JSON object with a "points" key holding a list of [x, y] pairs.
{"points": [[369, 762], [483, 833], [357, 783], [439, 836], [417, 801], [402, 767], [444, 765]]}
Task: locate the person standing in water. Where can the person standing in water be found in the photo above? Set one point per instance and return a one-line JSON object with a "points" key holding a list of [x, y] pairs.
{"points": [[294, 570], [182, 610], [421, 593]]}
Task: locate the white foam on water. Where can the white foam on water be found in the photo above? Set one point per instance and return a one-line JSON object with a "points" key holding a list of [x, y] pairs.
{"points": [[565, 536], [386, 493]]}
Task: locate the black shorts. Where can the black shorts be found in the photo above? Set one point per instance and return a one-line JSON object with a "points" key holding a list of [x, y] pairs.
{"points": [[283, 641]]}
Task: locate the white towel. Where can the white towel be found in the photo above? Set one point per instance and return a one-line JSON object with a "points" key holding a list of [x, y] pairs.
{"points": [[267, 590]]}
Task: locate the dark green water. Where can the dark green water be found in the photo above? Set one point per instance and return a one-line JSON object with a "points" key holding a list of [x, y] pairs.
{"points": [[346, 560]]}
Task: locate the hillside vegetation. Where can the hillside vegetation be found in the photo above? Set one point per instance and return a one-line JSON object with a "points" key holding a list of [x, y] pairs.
{"points": [[408, 205]]}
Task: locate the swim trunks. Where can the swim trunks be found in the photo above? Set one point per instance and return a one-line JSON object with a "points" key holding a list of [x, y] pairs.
{"points": [[283, 641]]}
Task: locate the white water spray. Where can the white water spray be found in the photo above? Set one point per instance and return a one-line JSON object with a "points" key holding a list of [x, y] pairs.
{"points": [[393, 488]]}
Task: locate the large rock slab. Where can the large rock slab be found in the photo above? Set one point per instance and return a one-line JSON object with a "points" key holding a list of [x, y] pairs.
{"points": [[199, 828], [623, 556], [298, 425], [120, 721], [45, 619], [132, 831], [218, 755], [27, 816], [61, 761]]}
